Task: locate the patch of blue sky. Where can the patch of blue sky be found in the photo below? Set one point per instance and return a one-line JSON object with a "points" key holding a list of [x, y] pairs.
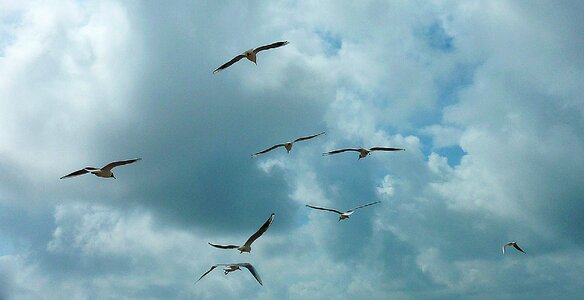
{"points": [[437, 38], [333, 42]]}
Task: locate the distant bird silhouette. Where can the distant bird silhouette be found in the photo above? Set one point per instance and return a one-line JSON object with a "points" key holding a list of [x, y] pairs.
{"points": [[247, 246], [105, 171], [514, 244], [288, 145], [343, 215], [250, 54], [362, 151], [234, 267]]}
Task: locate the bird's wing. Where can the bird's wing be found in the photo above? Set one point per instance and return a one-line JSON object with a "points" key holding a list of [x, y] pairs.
{"points": [[517, 247], [212, 268], [119, 163], [270, 46], [268, 150], [308, 137], [503, 248], [340, 151], [252, 270], [260, 231], [364, 205], [386, 149], [229, 63], [324, 208], [79, 172], [224, 246]]}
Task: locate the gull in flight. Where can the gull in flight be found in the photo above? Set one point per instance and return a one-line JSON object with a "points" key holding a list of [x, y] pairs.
{"points": [[362, 151], [514, 244], [247, 246], [288, 145], [105, 171], [250, 54], [234, 267], [343, 215]]}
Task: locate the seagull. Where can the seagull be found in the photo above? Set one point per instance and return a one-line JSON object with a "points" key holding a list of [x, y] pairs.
{"points": [[234, 267], [514, 244], [105, 171], [362, 151], [250, 54], [288, 145], [247, 246], [343, 215]]}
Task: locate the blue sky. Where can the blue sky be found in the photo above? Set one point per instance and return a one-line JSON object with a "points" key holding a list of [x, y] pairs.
{"points": [[486, 97]]}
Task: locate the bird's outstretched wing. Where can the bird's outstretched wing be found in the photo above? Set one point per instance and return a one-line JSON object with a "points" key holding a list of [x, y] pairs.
{"points": [[253, 271], [340, 151], [120, 163], [308, 137], [268, 150], [503, 248], [386, 149], [324, 208], [260, 231], [224, 246], [364, 205], [79, 172], [212, 268], [229, 63], [270, 46], [517, 247]]}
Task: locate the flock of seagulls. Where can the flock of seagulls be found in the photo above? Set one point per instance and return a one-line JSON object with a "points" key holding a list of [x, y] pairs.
{"points": [[251, 54]]}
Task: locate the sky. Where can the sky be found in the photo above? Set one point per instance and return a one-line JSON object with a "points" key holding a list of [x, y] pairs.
{"points": [[485, 96]]}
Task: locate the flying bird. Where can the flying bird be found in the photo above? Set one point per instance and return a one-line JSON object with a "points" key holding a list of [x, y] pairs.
{"points": [[105, 171], [288, 145], [234, 267], [247, 246], [250, 54], [362, 151], [343, 215], [514, 244]]}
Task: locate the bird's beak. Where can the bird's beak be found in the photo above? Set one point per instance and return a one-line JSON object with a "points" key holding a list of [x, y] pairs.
{"points": [[114, 176]]}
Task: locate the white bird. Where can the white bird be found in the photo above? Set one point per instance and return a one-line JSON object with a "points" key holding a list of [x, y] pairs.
{"points": [[250, 54], [343, 215], [514, 244], [234, 267], [247, 246], [105, 171], [288, 145], [362, 151]]}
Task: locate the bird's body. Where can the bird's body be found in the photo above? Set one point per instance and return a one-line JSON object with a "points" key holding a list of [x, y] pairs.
{"points": [[250, 54], [363, 152], [104, 172], [288, 145], [512, 244], [346, 214], [247, 246], [234, 267]]}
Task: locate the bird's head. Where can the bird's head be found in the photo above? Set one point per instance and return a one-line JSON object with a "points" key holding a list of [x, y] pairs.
{"points": [[114, 177]]}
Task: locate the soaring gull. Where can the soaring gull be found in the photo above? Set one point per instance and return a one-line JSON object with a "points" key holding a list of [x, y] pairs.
{"points": [[247, 246], [234, 267], [250, 54], [343, 215], [288, 145], [105, 171], [362, 151], [514, 245]]}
